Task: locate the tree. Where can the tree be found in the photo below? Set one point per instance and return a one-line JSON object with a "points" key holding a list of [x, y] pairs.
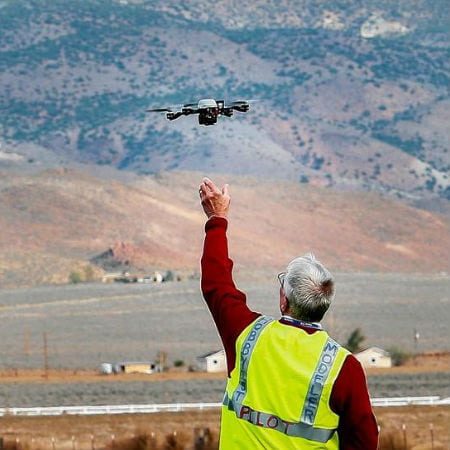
{"points": [[398, 355], [169, 276], [354, 340]]}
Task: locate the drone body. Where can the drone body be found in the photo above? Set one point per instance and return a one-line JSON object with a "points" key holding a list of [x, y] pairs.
{"points": [[208, 110]]}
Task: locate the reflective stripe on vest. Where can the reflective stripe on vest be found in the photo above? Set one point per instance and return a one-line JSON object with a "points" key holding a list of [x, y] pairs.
{"points": [[246, 352], [318, 380], [304, 428]]}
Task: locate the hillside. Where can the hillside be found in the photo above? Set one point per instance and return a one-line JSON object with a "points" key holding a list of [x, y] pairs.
{"points": [[352, 97], [54, 222]]}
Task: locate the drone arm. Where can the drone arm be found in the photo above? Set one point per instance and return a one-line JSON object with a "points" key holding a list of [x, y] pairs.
{"points": [[183, 112], [241, 108], [228, 112], [173, 116]]}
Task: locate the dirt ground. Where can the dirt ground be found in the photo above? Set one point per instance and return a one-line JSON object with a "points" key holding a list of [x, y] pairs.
{"points": [[103, 431], [118, 431], [425, 427], [422, 363], [90, 376]]}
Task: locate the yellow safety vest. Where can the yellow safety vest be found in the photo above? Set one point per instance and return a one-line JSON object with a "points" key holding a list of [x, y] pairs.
{"points": [[278, 394]]}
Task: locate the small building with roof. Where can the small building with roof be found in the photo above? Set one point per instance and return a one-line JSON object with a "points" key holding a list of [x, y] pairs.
{"points": [[214, 361], [129, 367], [374, 357]]}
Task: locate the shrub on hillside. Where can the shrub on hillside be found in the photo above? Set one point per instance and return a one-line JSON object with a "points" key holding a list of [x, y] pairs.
{"points": [[398, 355], [75, 277]]}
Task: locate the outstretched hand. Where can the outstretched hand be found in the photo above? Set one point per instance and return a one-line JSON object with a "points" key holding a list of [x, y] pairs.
{"points": [[215, 202]]}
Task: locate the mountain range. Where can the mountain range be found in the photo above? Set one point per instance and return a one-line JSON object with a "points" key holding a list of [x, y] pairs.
{"points": [[354, 95], [350, 101]]}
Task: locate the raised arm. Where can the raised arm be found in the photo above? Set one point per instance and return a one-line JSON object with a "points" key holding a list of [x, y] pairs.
{"points": [[226, 303], [216, 266]]}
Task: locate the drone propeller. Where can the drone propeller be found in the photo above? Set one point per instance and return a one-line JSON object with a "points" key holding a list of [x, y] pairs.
{"points": [[159, 110], [246, 102], [238, 103]]}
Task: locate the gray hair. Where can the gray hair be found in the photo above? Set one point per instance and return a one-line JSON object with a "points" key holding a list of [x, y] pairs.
{"points": [[309, 287]]}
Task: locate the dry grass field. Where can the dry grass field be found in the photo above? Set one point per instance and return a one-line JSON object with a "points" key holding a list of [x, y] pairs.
{"points": [[88, 324], [164, 431]]}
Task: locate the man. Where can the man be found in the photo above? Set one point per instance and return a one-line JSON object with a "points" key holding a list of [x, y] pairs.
{"points": [[290, 386]]}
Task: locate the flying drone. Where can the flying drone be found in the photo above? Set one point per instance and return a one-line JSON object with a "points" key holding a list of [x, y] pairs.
{"points": [[208, 110]]}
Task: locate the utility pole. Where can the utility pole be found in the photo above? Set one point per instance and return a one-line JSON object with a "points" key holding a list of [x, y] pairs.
{"points": [[161, 359], [44, 336], [416, 345]]}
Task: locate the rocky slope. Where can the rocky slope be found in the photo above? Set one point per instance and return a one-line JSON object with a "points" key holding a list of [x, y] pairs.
{"points": [[355, 97], [54, 222]]}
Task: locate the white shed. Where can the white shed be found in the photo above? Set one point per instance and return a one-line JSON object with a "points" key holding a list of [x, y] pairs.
{"points": [[212, 362], [374, 357]]}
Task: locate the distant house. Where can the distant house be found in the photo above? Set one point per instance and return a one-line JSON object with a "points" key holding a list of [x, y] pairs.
{"points": [[138, 367], [374, 357], [156, 277], [127, 277], [110, 277], [129, 367], [212, 362]]}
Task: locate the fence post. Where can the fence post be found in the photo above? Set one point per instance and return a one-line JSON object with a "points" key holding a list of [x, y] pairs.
{"points": [[432, 436], [405, 441]]}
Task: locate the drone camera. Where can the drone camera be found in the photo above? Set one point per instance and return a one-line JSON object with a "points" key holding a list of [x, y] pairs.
{"points": [[207, 117]]}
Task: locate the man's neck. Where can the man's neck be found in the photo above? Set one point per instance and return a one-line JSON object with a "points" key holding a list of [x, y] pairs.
{"points": [[302, 323]]}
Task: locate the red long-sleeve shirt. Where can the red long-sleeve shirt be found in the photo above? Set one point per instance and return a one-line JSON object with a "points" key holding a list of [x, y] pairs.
{"points": [[357, 428]]}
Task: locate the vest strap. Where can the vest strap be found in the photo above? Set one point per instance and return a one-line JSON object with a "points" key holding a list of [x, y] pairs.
{"points": [[246, 352], [318, 379], [271, 421]]}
